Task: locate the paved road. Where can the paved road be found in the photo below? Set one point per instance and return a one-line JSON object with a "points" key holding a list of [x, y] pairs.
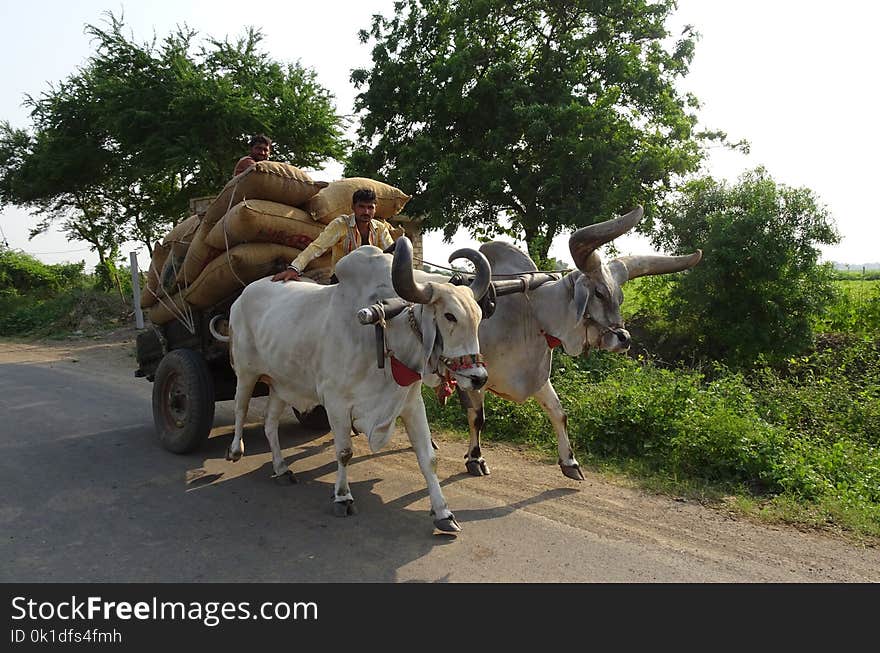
{"points": [[91, 496]]}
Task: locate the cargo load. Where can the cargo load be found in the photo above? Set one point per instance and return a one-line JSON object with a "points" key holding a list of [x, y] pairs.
{"points": [[335, 200], [154, 275], [262, 221], [239, 266], [198, 255], [168, 308], [265, 180], [173, 246]]}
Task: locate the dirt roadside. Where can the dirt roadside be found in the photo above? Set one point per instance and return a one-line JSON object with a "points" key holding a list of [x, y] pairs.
{"points": [[597, 505]]}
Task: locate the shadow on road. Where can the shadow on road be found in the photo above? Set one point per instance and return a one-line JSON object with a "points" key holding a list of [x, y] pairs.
{"points": [[93, 497]]}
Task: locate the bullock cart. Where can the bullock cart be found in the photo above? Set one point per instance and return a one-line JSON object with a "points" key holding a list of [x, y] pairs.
{"points": [[191, 372]]}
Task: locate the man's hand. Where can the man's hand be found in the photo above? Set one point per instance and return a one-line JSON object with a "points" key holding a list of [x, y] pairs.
{"points": [[287, 275]]}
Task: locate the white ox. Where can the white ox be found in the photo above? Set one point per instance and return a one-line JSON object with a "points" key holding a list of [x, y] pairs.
{"points": [[309, 343], [579, 311]]}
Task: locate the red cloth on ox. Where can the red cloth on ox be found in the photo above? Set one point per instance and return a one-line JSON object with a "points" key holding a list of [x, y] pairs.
{"points": [[444, 390], [552, 341], [403, 375]]}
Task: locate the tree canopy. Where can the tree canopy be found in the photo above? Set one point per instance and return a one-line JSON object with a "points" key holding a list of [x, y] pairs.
{"points": [[552, 114], [116, 150]]}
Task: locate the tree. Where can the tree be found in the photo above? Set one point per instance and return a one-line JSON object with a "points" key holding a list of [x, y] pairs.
{"points": [[116, 150], [552, 114], [189, 111], [759, 287]]}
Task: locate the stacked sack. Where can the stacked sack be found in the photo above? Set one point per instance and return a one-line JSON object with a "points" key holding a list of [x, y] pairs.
{"points": [[261, 220], [168, 257]]}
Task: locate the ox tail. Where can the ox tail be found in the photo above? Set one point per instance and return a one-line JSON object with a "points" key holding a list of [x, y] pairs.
{"points": [[217, 335]]}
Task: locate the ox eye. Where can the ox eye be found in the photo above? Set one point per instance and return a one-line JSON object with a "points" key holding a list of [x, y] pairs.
{"points": [[450, 317], [600, 294]]}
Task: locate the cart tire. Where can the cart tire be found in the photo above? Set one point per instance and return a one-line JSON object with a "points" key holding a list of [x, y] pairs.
{"points": [[183, 401], [314, 419]]}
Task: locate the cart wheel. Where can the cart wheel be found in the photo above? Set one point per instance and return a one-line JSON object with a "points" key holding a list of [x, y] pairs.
{"points": [[314, 419], [183, 401]]}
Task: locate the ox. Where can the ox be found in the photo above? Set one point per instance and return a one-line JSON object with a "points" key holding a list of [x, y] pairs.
{"points": [[309, 344], [539, 311]]}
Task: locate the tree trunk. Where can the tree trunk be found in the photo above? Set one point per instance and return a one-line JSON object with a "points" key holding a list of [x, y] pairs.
{"points": [[110, 272], [538, 244], [114, 274]]}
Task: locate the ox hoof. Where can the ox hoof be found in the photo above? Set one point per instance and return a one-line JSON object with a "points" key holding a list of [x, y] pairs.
{"points": [[344, 508], [448, 525], [572, 471], [234, 456], [287, 478], [477, 467]]}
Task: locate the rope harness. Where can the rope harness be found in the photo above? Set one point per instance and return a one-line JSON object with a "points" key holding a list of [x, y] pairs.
{"points": [[404, 375], [465, 362]]}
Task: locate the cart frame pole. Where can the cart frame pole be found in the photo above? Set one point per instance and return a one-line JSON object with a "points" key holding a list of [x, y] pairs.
{"points": [[136, 290]]}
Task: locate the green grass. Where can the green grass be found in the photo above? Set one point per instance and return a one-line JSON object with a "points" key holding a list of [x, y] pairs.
{"points": [[798, 445], [87, 310], [857, 275], [855, 309], [858, 290]]}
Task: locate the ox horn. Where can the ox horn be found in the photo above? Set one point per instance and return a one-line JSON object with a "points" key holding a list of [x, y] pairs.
{"points": [[483, 271], [625, 268], [585, 240], [402, 278]]}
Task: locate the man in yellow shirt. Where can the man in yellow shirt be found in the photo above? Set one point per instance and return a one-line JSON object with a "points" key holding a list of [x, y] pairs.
{"points": [[344, 234]]}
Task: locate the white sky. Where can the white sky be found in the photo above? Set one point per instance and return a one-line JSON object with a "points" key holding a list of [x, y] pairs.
{"points": [[797, 78]]}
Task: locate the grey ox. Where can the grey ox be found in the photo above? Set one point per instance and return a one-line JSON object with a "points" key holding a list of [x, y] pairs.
{"points": [[536, 312], [310, 344]]}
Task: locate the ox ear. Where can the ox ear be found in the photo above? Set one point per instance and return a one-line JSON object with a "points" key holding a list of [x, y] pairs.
{"points": [[581, 297], [619, 271], [432, 343]]}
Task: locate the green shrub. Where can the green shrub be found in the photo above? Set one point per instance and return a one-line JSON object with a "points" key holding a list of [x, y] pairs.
{"points": [[793, 433], [23, 275], [832, 394], [854, 308], [78, 309], [759, 288]]}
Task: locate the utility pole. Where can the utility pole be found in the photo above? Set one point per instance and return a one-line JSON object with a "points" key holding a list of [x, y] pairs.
{"points": [[136, 290]]}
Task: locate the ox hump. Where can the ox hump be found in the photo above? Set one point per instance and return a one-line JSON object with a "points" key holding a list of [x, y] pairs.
{"points": [[506, 258], [366, 260]]}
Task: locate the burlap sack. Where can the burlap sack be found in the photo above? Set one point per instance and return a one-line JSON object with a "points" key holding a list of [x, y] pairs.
{"points": [[335, 199], [267, 180], [182, 231], [172, 268], [239, 266], [169, 308], [154, 274], [198, 255], [261, 221], [176, 241]]}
